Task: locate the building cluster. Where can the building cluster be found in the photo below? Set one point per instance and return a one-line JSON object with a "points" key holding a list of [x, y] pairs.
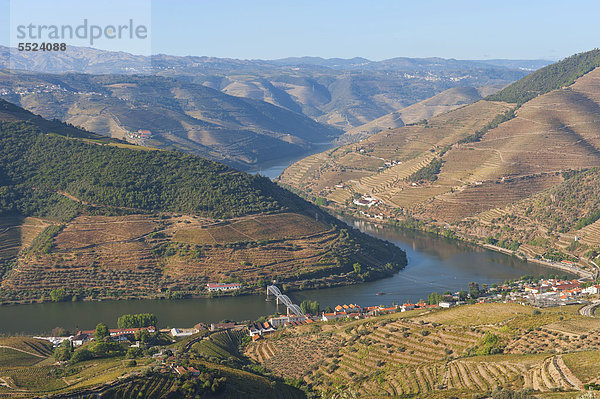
{"points": [[366, 200], [118, 334], [553, 292], [358, 312], [138, 137]]}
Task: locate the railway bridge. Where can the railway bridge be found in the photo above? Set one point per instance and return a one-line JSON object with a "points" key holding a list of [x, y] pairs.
{"points": [[291, 306]]}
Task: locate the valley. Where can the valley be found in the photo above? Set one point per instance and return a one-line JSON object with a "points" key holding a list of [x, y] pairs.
{"points": [[245, 113], [103, 220], [488, 172]]}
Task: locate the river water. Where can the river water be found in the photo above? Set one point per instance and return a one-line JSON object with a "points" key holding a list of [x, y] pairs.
{"points": [[434, 264]]}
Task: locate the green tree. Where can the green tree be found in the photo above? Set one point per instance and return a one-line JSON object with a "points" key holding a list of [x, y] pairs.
{"points": [[310, 307], [64, 351], [101, 332], [137, 320], [81, 355], [474, 290], [59, 295], [357, 268], [133, 353], [434, 298]]}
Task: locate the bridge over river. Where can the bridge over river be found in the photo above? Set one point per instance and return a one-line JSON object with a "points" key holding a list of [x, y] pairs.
{"points": [[291, 306]]}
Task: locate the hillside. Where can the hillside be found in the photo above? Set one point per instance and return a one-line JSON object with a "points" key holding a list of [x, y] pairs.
{"points": [[460, 169], [106, 220], [179, 115], [344, 93], [551, 77], [30, 370], [459, 352], [440, 103]]}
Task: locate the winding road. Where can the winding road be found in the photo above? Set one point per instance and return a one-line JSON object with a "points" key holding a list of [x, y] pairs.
{"points": [[588, 310]]}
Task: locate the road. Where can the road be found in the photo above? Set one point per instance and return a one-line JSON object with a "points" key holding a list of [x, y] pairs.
{"points": [[588, 309]]}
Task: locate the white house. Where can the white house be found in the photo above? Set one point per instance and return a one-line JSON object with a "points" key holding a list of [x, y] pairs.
{"points": [[281, 320], [366, 201], [260, 329], [333, 316], [591, 290], [212, 287], [183, 332], [446, 305]]}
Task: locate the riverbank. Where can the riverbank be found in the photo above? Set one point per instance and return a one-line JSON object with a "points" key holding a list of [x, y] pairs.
{"points": [[570, 268], [555, 265], [435, 265]]}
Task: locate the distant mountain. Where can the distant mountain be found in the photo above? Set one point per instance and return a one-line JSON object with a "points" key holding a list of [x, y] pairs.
{"points": [[187, 116], [443, 102], [527, 65], [344, 93]]}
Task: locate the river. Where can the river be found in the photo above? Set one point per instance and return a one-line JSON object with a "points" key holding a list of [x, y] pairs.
{"points": [[434, 264]]}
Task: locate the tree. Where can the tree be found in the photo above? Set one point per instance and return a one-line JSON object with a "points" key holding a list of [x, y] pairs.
{"points": [[64, 351], [433, 298], [101, 332], [81, 355], [474, 290], [310, 307], [59, 295], [133, 353], [462, 295], [137, 320], [143, 336], [357, 268]]}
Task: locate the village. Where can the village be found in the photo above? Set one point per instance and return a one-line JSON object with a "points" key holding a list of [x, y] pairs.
{"points": [[142, 346], [526, 291]]}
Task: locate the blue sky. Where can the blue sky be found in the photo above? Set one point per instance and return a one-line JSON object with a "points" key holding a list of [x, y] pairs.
{"points": [[463, 29]]}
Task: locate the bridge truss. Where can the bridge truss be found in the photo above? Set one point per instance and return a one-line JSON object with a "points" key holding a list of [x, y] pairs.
{"points": [[291, 306]]}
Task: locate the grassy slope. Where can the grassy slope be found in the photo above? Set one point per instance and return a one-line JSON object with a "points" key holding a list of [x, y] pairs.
{"points": [[32, 376], [426, 109]]}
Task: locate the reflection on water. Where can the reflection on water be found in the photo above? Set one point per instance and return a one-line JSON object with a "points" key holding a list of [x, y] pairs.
{"points": [[273, 169], [434, 264]]}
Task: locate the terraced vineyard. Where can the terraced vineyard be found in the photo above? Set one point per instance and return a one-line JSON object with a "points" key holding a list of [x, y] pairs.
{"points": [[501, 164], [433, 353], [143, 255], [411, 148], [488, 195]]}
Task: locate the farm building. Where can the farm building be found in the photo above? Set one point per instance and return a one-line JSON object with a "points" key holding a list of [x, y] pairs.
{"points": [[283, 320], [214, 287], [260, 329], [183, 332]]}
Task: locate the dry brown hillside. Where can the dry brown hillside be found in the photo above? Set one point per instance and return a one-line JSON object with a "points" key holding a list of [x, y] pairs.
{"points": [[454, 168], [443, 102]]}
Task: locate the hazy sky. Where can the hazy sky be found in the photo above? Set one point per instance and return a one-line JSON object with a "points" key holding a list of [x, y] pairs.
{"points": [[464, 29]]}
